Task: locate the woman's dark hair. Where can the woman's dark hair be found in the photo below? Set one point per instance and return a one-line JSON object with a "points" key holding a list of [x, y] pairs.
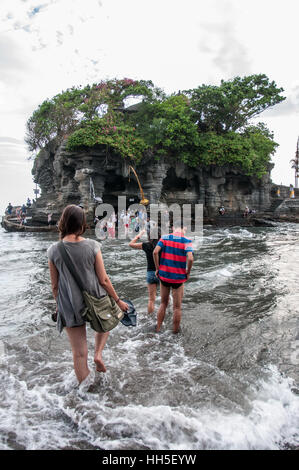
{"points": [[72, 221], [154, 241]]}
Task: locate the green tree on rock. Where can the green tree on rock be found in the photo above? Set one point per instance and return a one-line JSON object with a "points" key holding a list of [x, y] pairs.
{"points": [[208, 125], [230, 106], [67, 111]]}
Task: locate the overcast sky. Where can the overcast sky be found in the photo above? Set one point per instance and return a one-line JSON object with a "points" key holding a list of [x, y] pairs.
{"points": [[48, 46]]}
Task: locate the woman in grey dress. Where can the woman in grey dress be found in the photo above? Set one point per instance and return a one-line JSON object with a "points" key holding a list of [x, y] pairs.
{"points": [[86, 255]]}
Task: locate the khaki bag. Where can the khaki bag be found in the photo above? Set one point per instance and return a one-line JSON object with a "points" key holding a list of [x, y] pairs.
{"points": [[103, 313]]}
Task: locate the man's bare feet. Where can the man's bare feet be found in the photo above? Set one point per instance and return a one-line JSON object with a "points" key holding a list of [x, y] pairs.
{"points": [[100, 364], [176, 330]]}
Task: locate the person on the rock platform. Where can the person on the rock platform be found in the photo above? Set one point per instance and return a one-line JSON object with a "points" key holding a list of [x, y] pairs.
{"points": [[9, 209]]}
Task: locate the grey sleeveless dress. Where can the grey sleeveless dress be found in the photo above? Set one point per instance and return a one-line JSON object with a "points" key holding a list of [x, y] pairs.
{"points": [[70, 300]]}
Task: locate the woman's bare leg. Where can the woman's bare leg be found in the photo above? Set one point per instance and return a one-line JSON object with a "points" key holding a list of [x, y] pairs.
{"points": [[100, 341], [152, 292], [162, 309], [77, 338]]}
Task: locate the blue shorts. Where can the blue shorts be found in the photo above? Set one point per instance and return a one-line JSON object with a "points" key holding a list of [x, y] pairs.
{"points": [[151, 277]]}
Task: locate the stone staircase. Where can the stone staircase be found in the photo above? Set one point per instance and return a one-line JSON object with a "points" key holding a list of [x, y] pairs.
{"points": [[274, 205], [288, 208], [291, 204]]}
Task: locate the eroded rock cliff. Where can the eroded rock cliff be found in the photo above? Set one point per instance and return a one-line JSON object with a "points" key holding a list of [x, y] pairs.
{"points": [[66, 178]]}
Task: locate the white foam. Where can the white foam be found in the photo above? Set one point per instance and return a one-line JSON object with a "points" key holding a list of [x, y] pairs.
{"points": [[35, 414], [272, 421], [217, 277]]}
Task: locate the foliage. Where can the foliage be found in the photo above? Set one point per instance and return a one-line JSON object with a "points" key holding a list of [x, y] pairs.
{"points": [[112, 132], [230, 106], [208, 125], [62, 114], [168, 128], [54, 118], [249, 150]]}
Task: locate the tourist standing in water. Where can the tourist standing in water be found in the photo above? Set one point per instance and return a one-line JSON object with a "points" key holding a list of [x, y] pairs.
{"points": [[151, 278], [176, 251], [86, 255], [111, 228]]}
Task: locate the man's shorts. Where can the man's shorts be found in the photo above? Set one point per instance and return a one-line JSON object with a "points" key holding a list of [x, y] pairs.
{"points": [[174, 285]]}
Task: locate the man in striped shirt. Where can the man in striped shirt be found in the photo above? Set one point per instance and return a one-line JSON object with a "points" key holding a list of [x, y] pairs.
{"points": [[176, 250]]}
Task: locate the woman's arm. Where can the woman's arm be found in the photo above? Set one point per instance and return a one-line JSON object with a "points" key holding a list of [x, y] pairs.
{"points": [[105, 281], [133, 244], [156, 258], [54, 276]]}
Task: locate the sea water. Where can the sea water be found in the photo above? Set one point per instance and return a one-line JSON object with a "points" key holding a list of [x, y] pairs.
{"points": [[228, 380]]}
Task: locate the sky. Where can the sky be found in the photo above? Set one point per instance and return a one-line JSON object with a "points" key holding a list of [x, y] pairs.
{"points": [[47, 46]]}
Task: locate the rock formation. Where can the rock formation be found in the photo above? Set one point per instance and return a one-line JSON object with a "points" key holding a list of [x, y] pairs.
{"points": [[73, 178]]}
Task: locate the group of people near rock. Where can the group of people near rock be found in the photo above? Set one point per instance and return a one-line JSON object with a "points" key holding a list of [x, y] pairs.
{"points": [[246, 211], [129, 221], [106, 227], [169, 262], [20, 211]]}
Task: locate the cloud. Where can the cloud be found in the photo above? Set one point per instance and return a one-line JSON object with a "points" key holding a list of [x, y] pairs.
{"points": [[226, 52], [232, 57], [37, 10], [287, 107], [50, 23], [15, 170], [21, 13], [11, 60], [59, 38], [13, 152], [11, 140]]}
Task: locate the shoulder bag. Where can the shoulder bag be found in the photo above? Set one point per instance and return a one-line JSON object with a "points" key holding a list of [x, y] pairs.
{"points": [[103, 314]]}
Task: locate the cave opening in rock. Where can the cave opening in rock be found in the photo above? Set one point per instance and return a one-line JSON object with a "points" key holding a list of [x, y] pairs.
{"points": [[239, 184], [244, 186], [115, 182], [118, 185], [174, 183]]}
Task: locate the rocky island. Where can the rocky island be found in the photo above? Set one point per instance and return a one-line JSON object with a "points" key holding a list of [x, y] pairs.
{"points": [[196, 146]]}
